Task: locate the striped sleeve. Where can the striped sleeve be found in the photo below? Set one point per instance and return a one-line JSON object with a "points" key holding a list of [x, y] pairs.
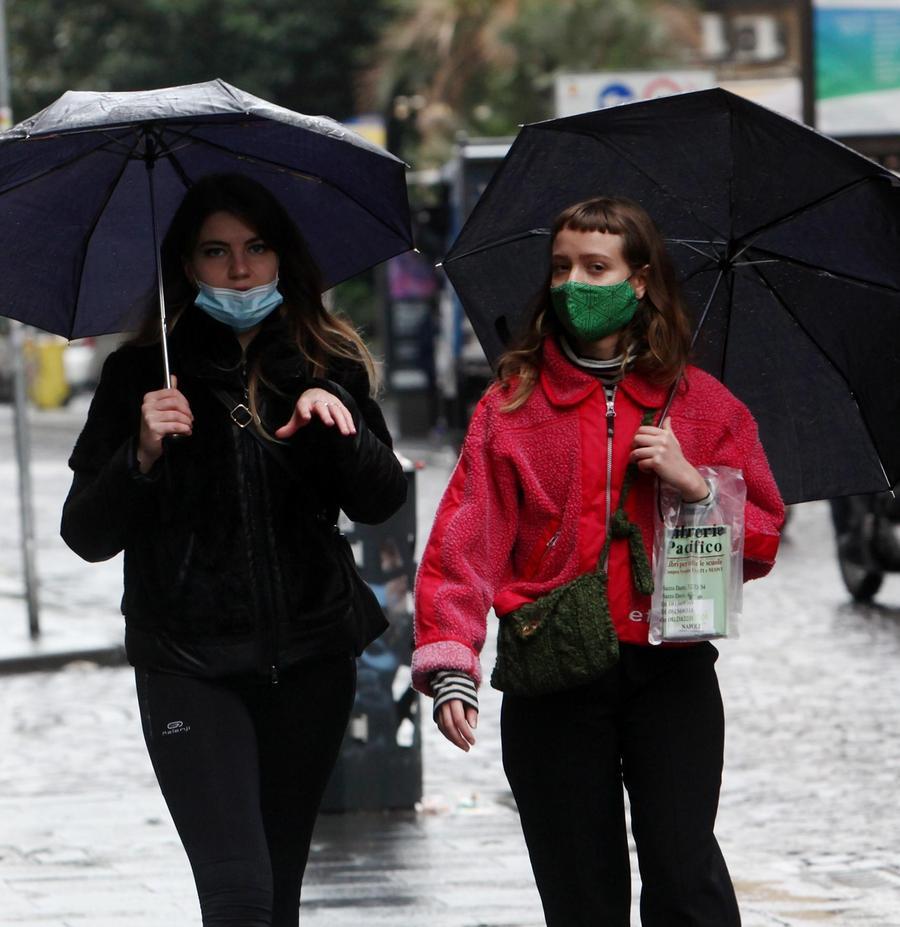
{"points": [[451, 684]]}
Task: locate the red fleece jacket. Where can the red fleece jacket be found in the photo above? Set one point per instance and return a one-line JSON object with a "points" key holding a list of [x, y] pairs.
{"points": [[525, 509]]}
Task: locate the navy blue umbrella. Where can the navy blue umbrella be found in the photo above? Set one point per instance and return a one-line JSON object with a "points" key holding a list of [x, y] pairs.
{"points": [[788, 246], [88, 184]]}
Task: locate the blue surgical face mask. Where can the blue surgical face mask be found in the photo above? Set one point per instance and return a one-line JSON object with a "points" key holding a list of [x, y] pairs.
{"points": [[240, 309]]}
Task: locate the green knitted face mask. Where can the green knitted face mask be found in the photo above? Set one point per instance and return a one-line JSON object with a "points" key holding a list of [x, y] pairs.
{"points": [[589, 311]]}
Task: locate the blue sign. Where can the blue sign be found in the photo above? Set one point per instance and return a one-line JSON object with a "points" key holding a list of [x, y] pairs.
{"points": [[612, 94]]}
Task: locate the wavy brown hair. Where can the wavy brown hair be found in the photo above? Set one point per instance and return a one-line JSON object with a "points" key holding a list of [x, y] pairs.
{"points": [[657, 338], [321, 336]]}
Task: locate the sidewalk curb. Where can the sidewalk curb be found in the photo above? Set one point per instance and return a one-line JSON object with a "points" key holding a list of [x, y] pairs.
{"points": [[111, 655]]}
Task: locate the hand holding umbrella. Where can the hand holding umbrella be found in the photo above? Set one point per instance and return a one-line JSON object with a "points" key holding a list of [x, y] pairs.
{"points": [[657, 450], [164, 412]]}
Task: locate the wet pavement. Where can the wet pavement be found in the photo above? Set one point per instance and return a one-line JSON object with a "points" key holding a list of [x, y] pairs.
{"points": [[808, 820]]}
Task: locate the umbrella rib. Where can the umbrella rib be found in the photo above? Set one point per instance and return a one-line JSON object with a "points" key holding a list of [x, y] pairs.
{"points": [[112, 143], [314, 178], [90, 235], [748, 239], [696, 333], [51, 170], [627, 157], [831, 363], [838, 275], [705, 312], [178, 167], [691, 245], [768, 285], [497, 244]]}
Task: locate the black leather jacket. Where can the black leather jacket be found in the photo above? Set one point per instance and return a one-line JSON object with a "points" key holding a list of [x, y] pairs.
{"points": [[227, 570]]}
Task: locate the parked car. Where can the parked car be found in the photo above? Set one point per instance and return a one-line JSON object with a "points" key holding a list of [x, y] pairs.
{"points": [[84, 358]]}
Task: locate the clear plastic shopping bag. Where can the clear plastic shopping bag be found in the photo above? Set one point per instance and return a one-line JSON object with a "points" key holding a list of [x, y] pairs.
{"points": [[698, 557]]}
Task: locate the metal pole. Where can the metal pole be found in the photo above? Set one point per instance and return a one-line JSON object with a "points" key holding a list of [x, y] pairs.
{"points": [[150, 162], [808, 60], [5, 110], [23, 443], [23, 457]]}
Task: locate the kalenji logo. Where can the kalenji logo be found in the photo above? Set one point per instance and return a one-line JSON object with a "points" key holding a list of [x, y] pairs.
{"points": [[176, 727]]}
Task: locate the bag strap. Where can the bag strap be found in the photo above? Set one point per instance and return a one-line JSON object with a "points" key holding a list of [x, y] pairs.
{"points": [[621, 527], [243, 418]]}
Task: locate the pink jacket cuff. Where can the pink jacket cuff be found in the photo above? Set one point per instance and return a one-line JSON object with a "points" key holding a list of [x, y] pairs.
{"points": [[442, 655]]}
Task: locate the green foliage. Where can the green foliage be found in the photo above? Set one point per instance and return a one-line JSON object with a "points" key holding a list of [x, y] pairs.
{"points": [[484, 68], [303, 54], [357, 299]]}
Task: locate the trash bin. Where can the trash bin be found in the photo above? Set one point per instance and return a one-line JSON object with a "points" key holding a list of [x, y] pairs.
{"points": [[380, 763]]}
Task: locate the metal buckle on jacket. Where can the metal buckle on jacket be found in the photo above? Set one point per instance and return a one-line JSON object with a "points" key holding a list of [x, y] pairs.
{"points": [[241, 415]]}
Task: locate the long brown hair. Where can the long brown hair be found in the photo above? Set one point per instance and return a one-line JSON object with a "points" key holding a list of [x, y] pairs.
{"points": [[321, 336], [658, 337]]}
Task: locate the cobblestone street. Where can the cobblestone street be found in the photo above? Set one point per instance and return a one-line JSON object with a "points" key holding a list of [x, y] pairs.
{"points": [[808, 820]]}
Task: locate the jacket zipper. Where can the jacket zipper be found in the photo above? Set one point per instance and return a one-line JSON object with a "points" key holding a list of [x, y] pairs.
{"points": [[547, 548], [270, 622], [610, 428]]}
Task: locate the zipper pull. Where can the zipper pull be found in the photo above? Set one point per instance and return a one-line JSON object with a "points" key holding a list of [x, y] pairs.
{"points": [[610, 416], [552, 542], [273, 675]]}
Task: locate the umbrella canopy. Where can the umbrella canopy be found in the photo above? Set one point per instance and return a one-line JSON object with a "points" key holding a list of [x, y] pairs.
{"points": [[77, 244], [788, 246]]}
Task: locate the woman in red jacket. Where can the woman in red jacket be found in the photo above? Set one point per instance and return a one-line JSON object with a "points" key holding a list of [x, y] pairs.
{"points": [[527, 510]]}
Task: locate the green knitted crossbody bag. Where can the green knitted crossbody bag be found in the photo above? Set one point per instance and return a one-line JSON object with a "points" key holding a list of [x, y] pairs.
{"points": [[566, 638]]}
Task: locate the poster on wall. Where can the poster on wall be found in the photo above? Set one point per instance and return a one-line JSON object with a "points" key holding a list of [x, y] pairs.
{"points": [[857, 59]]}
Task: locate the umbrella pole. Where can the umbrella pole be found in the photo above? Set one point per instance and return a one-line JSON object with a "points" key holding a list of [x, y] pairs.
{"points": [[703, 316], [150, 162]]}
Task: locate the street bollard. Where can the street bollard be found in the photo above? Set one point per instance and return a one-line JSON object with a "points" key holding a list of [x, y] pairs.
{"points": [[47, 381], [379, 767]]}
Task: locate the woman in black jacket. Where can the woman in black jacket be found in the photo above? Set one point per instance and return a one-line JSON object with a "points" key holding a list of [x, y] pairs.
{"points": [[223, 492]]}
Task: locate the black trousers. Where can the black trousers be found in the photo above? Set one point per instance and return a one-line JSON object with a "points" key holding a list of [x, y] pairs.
{"points": [[242, 766], [655, 723]]}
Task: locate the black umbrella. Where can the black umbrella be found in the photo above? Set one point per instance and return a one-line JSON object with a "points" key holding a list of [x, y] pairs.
{"points": [[87, 183], [788, 246]]}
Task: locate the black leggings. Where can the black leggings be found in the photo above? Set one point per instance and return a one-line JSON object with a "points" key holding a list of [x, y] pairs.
{"points": [[655, 723], [242, 766]]}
